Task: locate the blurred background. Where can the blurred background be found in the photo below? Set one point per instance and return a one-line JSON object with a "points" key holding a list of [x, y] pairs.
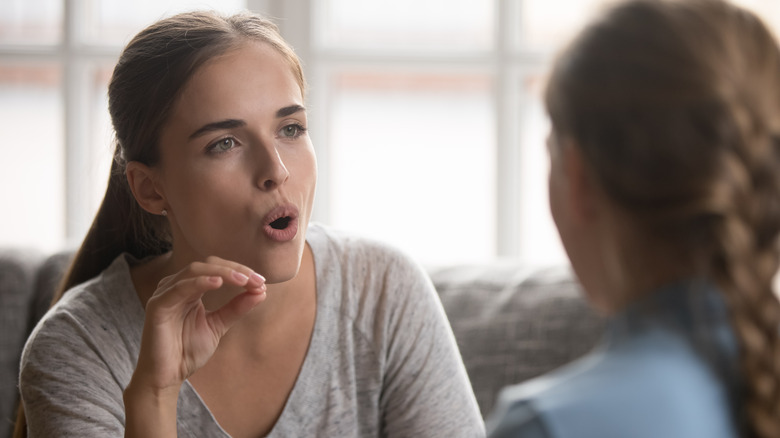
{"points": [[425, 114]]}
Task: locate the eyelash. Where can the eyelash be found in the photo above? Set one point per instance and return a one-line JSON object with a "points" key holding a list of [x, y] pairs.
{"points": [[212, 148], [300, 130]]}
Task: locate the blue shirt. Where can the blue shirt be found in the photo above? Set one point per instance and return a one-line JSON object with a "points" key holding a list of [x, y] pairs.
{"points": [[667, 367]]}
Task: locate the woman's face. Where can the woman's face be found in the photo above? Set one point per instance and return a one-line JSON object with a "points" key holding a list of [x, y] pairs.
{"points": [[237, 167]]}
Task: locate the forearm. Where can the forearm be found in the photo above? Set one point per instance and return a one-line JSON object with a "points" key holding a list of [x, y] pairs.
{"points": [[150, 413]]}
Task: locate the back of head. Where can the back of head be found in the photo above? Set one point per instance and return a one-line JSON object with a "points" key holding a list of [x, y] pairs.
{"points": [[676, 108]]}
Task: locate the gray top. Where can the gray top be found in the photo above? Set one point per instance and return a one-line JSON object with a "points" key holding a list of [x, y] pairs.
{"points": [[382, 359], [666, 368]]}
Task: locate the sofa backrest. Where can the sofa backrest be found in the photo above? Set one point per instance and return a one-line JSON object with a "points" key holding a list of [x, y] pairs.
{"points": [[28, 279], [18, 270], [513, 322]]}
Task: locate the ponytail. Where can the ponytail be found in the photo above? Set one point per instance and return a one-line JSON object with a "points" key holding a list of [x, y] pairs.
{"points": [[120, 226]]}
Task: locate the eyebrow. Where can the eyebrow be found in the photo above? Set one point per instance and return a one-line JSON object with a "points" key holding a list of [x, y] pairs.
{"points": [[236, 123], [289, 110], [216, 126]]}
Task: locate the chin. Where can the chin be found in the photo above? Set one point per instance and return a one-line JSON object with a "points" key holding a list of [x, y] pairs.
{"points": [[280, 274], [278, 265]]}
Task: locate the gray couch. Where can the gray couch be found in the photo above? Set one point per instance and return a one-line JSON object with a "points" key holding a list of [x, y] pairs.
{"points": [[511, 322]]}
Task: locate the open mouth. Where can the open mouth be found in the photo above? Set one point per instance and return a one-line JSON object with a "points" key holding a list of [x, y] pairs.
{"points": [[281, 223]]}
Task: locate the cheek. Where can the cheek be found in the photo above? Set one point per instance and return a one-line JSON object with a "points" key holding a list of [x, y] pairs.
{"points": [[196, 190], [554, 195], [304, 168]]}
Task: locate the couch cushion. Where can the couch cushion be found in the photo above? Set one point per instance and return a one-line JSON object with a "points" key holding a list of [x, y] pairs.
{"points": [[513, 322], [17, 278]]}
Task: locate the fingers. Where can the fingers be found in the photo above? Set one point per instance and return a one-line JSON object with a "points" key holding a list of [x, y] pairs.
{"points": [[255, 279], [197, 278], [218, 267], [181, 295], [224, 317]]}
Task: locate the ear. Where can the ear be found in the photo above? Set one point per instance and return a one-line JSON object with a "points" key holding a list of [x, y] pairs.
{"points": [[581, 188], [143, 181]]}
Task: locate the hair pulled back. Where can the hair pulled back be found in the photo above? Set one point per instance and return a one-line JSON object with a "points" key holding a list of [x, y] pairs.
{"points": [[147, 80], [676, 108]]}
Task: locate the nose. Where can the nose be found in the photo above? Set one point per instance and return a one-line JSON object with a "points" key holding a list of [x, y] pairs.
{"points": [[272, 172]]}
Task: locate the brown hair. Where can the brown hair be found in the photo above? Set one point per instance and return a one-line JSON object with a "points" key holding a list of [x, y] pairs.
{"points": [[676, 108], [148, 78]]}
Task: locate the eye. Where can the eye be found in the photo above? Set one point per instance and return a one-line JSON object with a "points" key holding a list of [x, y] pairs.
{"points": [[222, 145], [293, 130]]}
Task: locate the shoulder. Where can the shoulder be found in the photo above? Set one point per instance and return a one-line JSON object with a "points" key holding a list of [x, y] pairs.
{"points": [[654, 385], [90, 301], [370, 285], [348, 244], [361, 256], [81, 356], [89, 317]]}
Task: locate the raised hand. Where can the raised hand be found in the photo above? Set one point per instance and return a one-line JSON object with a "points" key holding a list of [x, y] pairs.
{"points": [[180, 334]]}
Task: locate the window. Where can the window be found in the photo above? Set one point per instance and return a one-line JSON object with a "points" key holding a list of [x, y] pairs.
{"points": [[434, 131], [425, 114], [31, 122], [56, 58]]}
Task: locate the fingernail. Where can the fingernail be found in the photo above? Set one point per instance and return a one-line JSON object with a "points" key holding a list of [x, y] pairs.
{"points": [[239, 277], [258, 278]]}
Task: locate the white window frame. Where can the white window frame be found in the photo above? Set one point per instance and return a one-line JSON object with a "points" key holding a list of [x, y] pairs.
{"points": [[505, 63], [297, 22]]}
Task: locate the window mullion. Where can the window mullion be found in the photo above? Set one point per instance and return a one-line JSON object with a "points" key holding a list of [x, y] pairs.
{"points": [[76, 109], [509, 206], [296, 20]]}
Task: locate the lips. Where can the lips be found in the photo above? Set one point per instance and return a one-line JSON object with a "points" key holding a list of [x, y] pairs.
{"points": [[281, 223]]}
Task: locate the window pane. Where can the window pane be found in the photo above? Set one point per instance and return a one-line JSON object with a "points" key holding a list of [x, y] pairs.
{"points": [[116, 21], [546, 24], [455, 25], [412, 162], [102, 136], [539, 241], [769, 10], [32, 168], [30, 21]]}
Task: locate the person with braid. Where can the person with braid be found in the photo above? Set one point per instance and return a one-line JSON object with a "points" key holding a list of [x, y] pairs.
{"points": [[665, 189]]}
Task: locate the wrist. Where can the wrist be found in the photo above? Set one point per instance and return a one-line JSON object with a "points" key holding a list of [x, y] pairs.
{"points": [[150, 411]]}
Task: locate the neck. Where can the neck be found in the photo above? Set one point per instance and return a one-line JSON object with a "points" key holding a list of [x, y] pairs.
{"points": [[618, 262], [282, 295], [638, 270]]}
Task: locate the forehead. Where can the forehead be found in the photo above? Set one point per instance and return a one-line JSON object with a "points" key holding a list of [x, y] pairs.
{"points": [[250, 79]]}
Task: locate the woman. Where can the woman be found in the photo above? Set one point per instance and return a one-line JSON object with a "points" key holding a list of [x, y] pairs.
{"points": [[202, 302], [665, 188]]}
